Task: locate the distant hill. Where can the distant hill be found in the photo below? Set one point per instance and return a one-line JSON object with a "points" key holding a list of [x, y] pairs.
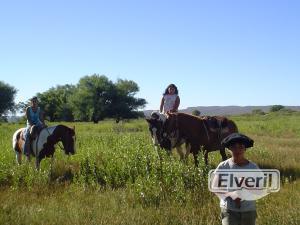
{"points": [[226, 110]]}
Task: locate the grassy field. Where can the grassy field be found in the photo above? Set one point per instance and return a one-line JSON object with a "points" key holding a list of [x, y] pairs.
{"points": [[116, 177]]}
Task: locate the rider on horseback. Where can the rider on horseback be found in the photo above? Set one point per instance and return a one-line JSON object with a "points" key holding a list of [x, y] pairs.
{"points": [[170, 100], [34, 118]]}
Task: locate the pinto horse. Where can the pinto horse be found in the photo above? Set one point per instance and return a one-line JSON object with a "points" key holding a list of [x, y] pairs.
{"points": [[159, 136], [43, 144], [172, 130]]}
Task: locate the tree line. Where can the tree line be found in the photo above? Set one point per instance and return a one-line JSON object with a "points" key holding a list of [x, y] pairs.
{"points": [[94, 98]]}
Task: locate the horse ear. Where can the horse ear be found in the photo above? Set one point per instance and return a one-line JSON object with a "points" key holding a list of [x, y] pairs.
{"points": [[73, 128], [148, 120], [154, 115]]}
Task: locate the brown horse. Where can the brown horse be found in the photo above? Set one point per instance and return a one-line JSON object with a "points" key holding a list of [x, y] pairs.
{"points": [[43, 144], [195, 132]]}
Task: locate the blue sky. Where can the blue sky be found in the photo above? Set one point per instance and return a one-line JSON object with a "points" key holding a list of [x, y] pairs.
{"points": [[225, 52]]}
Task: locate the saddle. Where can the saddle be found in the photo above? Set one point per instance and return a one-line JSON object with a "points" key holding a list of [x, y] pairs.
{"points": [[215, 123], [33, 134], [35, 131]]}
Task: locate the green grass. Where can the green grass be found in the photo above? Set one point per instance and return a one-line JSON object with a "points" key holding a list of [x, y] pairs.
{"points": [[116, 177]]}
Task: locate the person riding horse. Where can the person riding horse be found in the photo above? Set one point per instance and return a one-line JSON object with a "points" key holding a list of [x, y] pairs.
{"points": [[34, 118], [170, 100], [171, 130]]}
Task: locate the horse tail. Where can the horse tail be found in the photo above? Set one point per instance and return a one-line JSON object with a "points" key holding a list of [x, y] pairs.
{"points": [[15, 139]]}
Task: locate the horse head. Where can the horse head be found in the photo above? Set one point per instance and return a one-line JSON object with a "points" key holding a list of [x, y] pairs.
{"points": [[68, 139], [156, 124], [171, 123]]}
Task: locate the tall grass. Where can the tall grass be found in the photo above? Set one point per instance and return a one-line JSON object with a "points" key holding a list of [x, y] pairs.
{"points": [[117, 177]]}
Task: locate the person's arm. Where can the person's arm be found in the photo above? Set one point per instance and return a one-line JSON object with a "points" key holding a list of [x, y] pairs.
{"points": [[42, 118], [161, 104], [214, 185], [28, 116], [176, 105]]}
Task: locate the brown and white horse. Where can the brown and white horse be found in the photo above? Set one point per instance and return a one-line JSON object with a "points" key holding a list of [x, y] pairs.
{"points": [[43, 145], [172, 130], [159, 136]]}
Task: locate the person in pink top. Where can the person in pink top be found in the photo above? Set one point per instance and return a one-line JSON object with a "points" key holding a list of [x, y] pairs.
{"points": [[170, 100]]}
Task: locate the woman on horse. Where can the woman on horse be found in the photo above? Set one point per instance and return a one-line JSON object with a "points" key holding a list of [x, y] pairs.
{"points": [[34, 117], [170, 100]]}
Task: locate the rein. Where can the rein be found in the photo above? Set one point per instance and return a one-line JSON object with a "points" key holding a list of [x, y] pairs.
{"points": [[220, 130], [205, 128]]}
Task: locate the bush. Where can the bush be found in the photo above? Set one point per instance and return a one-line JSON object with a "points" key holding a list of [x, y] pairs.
{"points": [[196, 112], [258, 112], [276, 108]]}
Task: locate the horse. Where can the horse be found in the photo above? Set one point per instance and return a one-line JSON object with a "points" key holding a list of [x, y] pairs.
{"points": [[42, 143], [159, 137], [174, 129]]}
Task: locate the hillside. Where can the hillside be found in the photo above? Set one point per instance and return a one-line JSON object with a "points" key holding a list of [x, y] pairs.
{"points": [[226, 110]]}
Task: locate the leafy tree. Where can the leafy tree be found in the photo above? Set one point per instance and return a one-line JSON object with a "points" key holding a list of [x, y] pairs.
{"points": [[125, 105], [96, 98], [196, 112], [55, 103], [276, 108], [21, 106], [7, 96], [92, 98]]}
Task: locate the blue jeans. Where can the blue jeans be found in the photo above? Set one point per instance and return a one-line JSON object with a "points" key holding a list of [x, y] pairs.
{"points": [[26, 146]]}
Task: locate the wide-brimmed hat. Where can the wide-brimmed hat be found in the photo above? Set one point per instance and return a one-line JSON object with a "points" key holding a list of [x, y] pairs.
{"points": [[237, 138]]}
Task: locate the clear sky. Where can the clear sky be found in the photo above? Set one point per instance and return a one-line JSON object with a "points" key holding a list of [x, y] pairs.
{"points": [[218, 52]]}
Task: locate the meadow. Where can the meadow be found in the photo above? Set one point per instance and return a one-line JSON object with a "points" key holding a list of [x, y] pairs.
{"points": [[117, 177]]}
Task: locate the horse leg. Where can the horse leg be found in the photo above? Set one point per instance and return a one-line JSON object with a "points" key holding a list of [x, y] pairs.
{"points": [[188, 150], [37, 163], [179, 151], [51, 164], [28, 158], [19, 157], [196, 159], [195, 151], [205, 153], [223, 153]]}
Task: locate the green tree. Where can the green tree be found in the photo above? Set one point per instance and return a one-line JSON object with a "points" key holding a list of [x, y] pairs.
{"points": [[92, 98], [196, 112], [125, 104], [96, 98], [7, 96], [55, 103], [276, 108]]}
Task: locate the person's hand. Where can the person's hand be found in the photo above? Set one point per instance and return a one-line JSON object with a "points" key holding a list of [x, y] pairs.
{"points": [[238, 202], [235, 196], [169, 112]]}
